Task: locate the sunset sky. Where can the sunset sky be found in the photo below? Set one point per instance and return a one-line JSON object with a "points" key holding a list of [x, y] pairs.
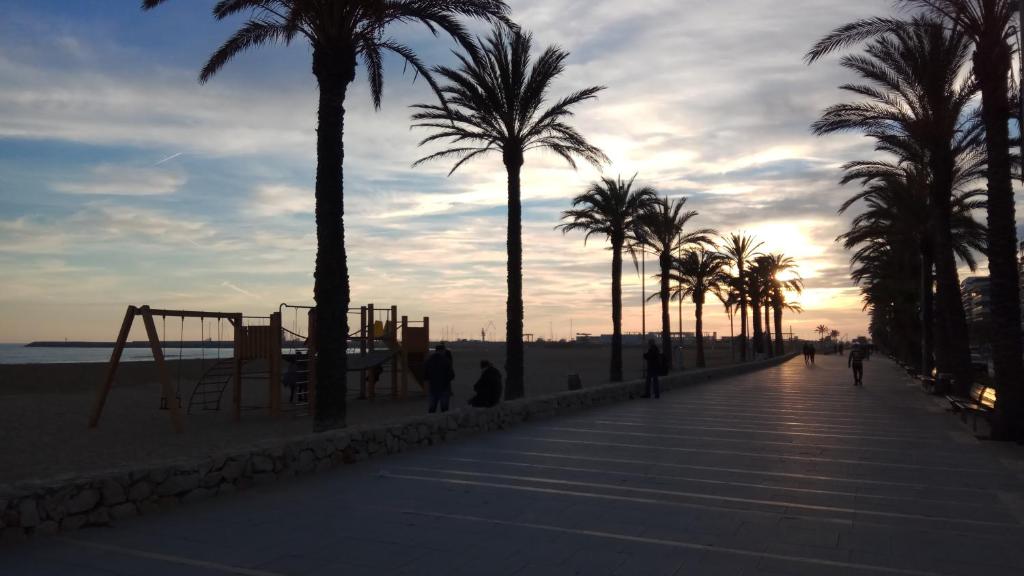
{"points": [[125, 181]]}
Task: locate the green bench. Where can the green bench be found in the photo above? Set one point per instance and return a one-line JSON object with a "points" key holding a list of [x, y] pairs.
{"points": [[981, 402]]}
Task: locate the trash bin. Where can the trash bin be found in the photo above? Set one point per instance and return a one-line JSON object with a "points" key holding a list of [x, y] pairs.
{"points": [[575, 383]]}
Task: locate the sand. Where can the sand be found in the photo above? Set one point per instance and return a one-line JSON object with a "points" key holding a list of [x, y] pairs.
{"points": [[44, 408]]}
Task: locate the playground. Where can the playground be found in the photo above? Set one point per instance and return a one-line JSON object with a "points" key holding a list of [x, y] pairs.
{"points": [[45, 408]]}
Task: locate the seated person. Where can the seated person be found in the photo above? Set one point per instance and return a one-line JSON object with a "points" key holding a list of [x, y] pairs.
{"points": [[488, 387]]}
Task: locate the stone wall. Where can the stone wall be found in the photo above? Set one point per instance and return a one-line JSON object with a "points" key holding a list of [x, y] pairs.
{"points": [[68, 503]]}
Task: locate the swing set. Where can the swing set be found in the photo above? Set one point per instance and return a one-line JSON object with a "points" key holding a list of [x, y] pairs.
{"points": [[262, 338]]}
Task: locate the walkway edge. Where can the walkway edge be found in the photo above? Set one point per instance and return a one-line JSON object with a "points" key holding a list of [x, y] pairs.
{"points": [[70, 502]]}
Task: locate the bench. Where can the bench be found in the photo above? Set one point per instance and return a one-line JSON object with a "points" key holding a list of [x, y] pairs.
{"points": [[981, 401]]}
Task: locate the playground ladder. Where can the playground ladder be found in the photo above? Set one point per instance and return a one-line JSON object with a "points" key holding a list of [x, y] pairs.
{"points": [[301, 376], [210, 388]]}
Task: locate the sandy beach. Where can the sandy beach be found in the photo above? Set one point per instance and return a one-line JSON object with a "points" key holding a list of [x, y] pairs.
{"points": [[44, 408]]}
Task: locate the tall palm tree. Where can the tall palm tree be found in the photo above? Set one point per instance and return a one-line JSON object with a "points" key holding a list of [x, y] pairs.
{"points": [[663, 230], [917, 106], [341, 35], [612, 209], [821, 330], [779, 265], [698, 273], [741, 249], [497, 101]]}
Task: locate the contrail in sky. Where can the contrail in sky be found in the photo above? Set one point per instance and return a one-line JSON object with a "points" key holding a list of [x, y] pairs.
{"points": [[168, 159]]}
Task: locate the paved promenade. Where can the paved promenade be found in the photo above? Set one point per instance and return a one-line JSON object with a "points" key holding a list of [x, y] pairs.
{"points": [[789, 471]]}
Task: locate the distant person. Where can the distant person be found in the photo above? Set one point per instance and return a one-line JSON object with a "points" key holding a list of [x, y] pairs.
{"points": [[807, 354], [487, 387], [813, 351], [439, 373], [856, 361], [653, 363]]}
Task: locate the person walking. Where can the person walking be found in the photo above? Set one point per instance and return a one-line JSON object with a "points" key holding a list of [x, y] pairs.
{"points": [[439, 374], [652, 359], [488, 387], [856, 362], [813, 351]]}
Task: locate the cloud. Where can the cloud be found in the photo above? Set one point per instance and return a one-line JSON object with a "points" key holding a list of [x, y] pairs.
{"points": [[111, 180], [708, 99], [283, 200]]}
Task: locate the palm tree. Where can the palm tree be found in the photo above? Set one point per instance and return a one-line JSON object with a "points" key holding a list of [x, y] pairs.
{"points": [[611, 208], [821, 330], [896, 212], [497, 101], [341, 35], [741, 249], [699, 273], [918, 107], [778, 265], [663, 230], [989, 26]]}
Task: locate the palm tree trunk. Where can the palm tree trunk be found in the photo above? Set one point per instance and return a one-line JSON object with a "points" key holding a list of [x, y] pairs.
{"points": [[331, 287], [780, 345], [615, 373], [514, 352], [992, 67], [955, 355], [927, 313], [732, 336], [768, 329], [743, 315], [666, 326], [698, 303], [755, 309]]}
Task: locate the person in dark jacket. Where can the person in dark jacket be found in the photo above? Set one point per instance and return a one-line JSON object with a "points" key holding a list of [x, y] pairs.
{"points": [[488, 387], [652, 359], [439, 373], [856, 362]]}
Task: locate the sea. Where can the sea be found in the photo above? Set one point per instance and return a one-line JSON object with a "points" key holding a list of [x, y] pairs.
{"points": [[21, 354]]}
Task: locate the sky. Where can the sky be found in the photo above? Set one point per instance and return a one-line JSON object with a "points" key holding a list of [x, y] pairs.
{"points": [[125, 181]]}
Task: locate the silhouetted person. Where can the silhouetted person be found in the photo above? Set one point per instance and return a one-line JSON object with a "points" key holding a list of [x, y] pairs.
{"points": [[856, 361], [439, 373], [807, 354], [373, 376], [813, 351], [290, 379], [652, 359], [487, 387]]}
